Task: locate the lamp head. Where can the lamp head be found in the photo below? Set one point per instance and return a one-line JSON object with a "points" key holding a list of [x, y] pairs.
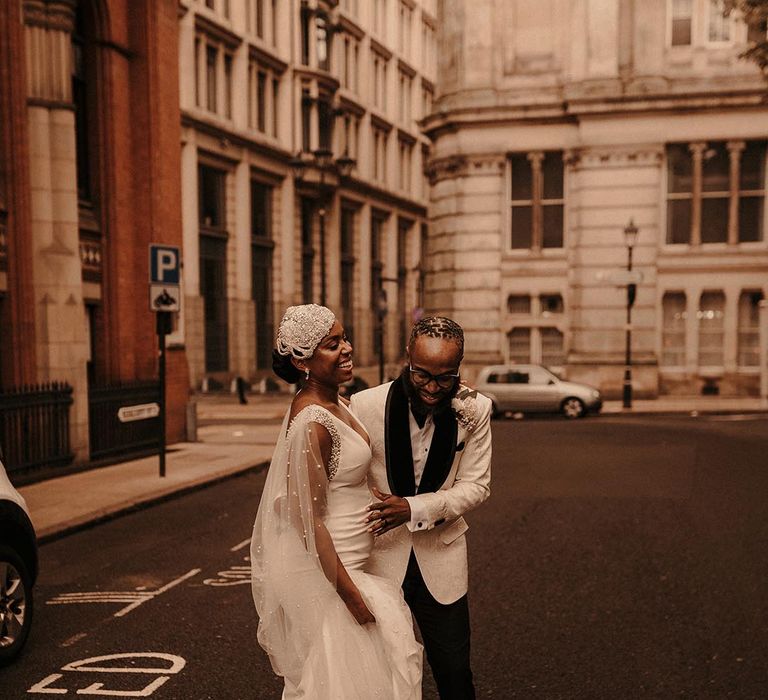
{"points": [[630, 233]]}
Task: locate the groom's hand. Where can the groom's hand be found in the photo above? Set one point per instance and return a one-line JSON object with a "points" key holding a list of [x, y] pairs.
{"points": [[389, 513]]}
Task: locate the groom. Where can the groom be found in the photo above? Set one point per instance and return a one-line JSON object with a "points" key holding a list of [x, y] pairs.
{"points": [[431, 442]]}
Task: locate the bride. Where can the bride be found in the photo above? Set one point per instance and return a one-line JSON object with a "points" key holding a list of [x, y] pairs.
{"points": [[331, 630]]}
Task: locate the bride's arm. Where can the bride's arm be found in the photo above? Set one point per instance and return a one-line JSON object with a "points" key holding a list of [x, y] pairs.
{"points": [[319, 456]]}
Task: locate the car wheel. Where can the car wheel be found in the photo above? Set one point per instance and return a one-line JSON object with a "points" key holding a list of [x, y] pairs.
{"points": [[573, 407], [15, 604]]}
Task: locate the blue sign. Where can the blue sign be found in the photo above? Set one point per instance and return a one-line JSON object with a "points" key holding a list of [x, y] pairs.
{"points": [[164, 264]]}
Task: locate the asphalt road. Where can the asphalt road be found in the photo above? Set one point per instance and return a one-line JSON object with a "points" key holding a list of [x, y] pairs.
{"points": [[617, 558]]}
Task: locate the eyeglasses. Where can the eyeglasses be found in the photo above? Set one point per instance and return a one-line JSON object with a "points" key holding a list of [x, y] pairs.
{"points": [[421, 377]]}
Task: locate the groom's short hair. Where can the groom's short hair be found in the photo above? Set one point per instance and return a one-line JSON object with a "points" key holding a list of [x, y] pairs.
{"points": [[438, 327]]}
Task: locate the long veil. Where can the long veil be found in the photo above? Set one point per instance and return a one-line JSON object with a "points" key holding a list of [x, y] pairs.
{"points": [[293, 561]]}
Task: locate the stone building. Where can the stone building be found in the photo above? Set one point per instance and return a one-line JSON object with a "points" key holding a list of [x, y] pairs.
{"points": [[301, 173], [558, 123], [89, 153]]}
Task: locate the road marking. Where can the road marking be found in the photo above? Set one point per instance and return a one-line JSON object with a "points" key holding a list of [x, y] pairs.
{"points": [[74, 639], [233, 576], [736, 417], [94, 665], [242, 544], [133, 598]]}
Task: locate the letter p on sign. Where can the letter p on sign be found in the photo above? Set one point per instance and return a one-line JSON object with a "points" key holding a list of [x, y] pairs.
{"points": [[164, 264]]}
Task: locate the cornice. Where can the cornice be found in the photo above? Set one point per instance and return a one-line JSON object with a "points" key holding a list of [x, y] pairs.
{"points": [[216, 31], [268, 59], [236, 139], [465, 165]]}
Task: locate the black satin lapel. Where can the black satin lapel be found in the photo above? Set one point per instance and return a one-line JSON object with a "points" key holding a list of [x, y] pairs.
{"points": [[441, 453], [397, 442]]}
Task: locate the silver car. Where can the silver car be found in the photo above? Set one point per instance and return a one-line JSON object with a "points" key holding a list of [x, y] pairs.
{"points": [[18, 569], [533, 388]]}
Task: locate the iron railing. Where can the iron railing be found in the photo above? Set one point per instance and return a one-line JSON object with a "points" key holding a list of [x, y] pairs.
{"points": [[112, 438], [34, 427]]}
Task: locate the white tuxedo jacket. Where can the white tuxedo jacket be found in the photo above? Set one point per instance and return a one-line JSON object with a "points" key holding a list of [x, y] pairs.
{"points": [[456, 478]]}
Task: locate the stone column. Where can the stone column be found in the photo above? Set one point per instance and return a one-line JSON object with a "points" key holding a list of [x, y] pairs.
{"points": [[734, 151], [697, 153], [62, 348]]}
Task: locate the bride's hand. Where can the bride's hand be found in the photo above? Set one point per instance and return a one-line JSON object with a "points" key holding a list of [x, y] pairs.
{"points": [[356, 605]]}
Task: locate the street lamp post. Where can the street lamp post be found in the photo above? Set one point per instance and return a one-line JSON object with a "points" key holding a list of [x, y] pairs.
{"points": [[630, 236], [322, 159]]}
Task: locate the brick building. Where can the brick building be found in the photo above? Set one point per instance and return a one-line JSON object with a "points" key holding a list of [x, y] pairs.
{"points": [[89, 176]]}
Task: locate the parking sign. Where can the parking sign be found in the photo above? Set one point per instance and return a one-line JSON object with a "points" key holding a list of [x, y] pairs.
{"points": [[164, 277]]}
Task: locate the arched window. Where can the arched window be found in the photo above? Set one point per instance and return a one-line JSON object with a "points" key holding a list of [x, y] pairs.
{"points": [[711, 317], [673, 329], [749, 329]]}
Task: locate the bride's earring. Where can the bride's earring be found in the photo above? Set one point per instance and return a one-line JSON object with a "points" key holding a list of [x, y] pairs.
{"points": [[306, 374]]}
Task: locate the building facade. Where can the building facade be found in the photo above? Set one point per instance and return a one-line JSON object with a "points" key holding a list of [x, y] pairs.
{"points": [[89, 132], [301, 168], [556, 125]]}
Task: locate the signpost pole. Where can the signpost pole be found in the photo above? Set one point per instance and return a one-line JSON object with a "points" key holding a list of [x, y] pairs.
{"points": [[163, 328]]}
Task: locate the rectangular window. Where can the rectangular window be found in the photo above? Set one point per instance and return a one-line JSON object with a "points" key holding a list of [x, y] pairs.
{"points": [[403, 228], [213, 289], [307, 250], [262, 246], [379, 154], [752, 190], [719, 26], [325, 121], [260, 19], [305, 20], [537, 200], [228, 86], [519, 304], [716, 192], [211, 55], [323, 43], [211, 198], [261, 102], [198, 45], [306, 120], [552, 347], [711, 316], [520, 345], [673, 329], [348, 269], [275, 106], [749, 329], [682, 22], [377, 270], [715, 177]]}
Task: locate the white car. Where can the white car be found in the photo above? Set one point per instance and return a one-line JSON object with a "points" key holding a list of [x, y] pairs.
{"points": [[18, 569], [534, 389]]}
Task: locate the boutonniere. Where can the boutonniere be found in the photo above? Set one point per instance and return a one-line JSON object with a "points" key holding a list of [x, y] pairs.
{"points": [[464, 406]]}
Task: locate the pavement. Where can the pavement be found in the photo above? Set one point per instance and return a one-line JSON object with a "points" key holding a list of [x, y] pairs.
{"points": [[233, 439]]}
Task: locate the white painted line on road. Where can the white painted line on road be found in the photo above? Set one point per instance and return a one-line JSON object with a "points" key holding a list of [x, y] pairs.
{"points": [[736, 417], [177, 663], [233, 576], [244, 543], [134, 598]]}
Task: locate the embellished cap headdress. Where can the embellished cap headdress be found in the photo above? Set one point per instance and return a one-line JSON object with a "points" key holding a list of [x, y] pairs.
{"points": [[302, 328]]}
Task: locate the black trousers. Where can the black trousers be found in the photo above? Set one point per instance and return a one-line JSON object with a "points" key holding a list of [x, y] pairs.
{"points": [[445, 632]]}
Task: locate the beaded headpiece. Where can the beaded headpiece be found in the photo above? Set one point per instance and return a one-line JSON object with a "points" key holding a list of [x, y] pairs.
{"points": [[302, 328]]}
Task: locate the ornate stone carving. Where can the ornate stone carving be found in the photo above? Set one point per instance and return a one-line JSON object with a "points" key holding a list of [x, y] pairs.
{"points": [[464, 166], [615, 156]]}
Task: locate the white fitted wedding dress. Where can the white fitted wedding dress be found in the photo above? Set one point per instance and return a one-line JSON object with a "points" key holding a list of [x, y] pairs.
{"points": [[310, 513]]}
